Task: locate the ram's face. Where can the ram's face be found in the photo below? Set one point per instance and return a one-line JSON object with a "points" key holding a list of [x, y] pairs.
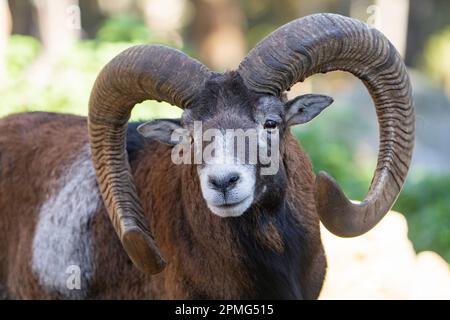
{"points": [[233, 137]]}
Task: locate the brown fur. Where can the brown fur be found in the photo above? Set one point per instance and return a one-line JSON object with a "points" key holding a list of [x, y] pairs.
{"points": [[206, 258]]}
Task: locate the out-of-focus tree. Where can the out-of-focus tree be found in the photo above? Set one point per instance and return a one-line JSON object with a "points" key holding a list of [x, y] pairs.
{"points": [[425, 18], [116, 7], [390, 17], [392, 20], [310, 7], [165, 18], [364, 10], [218, 32], [5, 30], [59, 24], [23, 18], [92, 17]]}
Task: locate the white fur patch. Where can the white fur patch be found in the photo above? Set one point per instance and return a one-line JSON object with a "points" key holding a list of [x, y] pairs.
{"points": [[63, 239], [220, 164], [241, 194]]}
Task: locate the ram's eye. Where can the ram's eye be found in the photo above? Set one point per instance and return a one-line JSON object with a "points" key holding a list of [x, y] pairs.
{"points": [[270, 125]]}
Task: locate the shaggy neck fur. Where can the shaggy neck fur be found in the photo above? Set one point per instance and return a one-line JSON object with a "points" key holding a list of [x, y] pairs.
{"points": [[258, 255]]}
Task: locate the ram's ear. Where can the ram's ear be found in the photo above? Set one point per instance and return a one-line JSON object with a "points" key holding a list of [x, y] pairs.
{"points": [[304, 108], [160, 130]]}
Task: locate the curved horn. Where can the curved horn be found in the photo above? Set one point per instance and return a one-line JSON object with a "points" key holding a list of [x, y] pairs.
{"points": [[139, 73], [328, 42]]}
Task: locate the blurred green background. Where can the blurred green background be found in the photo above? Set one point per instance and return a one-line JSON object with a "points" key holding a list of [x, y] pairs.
{"points": [[51, 52]]}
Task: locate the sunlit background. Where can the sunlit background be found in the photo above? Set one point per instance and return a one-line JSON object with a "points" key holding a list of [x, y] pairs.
{"points": [[52, 50]]}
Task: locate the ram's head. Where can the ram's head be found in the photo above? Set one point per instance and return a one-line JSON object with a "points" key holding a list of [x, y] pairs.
{"points": [[234, 136], [251, 97]]}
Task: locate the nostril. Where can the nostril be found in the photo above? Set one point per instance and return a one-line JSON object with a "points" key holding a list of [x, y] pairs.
{"points": [[233, 178], [223, 183], [214, 182]]}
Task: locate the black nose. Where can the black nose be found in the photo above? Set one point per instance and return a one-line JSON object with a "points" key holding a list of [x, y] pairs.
{"points": [[224, 183]]}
